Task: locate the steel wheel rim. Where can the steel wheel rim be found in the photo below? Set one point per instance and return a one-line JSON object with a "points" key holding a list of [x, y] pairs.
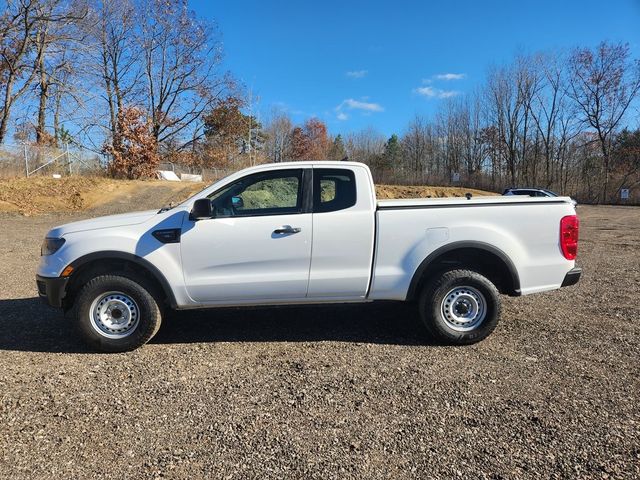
{"points": [[464, 308], [114, 315]]}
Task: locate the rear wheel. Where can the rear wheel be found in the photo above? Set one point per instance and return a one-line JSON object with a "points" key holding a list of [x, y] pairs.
{"points": [[115, 313], [460, 307]]}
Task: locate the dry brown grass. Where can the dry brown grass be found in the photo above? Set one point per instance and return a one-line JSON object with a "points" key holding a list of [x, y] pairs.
{"points": [[30, 196], [37, 195]]}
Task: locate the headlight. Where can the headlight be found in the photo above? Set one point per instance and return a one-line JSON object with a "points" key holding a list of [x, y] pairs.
{"points": [[51, 245]]}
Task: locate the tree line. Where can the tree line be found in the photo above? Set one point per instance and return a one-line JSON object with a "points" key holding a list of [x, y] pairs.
{"points": [[566, 121], [142, 81]]}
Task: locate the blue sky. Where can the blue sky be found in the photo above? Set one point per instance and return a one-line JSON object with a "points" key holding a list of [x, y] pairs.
{"points": [[356, 64]]}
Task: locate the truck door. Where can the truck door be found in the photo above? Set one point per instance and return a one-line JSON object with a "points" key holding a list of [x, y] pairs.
{"points": [[343, 233], [257, 246]]}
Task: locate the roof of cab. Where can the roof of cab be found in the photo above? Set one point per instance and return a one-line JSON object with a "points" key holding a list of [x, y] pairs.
{"points": [[306, 163]]}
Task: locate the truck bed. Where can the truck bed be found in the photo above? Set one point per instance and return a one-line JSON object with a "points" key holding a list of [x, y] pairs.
{"points": [[523, 229]]}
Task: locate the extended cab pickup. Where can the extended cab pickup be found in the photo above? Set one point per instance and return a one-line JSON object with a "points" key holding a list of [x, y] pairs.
{"points": [[307, 233]]}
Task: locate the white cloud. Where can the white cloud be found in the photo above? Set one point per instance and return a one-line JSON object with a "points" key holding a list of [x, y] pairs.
{"points": [[367, 108], [450, 76], [426, 91], [432, 92], [352, 104], [357, 73]]}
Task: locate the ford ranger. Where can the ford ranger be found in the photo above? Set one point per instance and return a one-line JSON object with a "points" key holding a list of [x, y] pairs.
{"points": [[307, 233]]}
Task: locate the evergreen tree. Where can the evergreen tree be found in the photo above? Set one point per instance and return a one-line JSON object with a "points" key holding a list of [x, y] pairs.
{"points": [[392, 152], [337, 150]]}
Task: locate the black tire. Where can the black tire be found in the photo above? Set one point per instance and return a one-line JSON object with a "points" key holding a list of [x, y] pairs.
{"points": [[144, 314], [465, 290]]}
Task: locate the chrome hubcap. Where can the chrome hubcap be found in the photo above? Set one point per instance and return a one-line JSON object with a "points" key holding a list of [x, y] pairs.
{"points": [[114, 315], [464, 308]]}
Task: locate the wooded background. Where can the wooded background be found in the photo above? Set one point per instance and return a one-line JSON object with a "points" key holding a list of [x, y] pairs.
{"points": [[142, 83]]}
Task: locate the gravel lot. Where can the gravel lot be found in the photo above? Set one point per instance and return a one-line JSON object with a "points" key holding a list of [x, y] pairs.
{"points": [[331, 392]]}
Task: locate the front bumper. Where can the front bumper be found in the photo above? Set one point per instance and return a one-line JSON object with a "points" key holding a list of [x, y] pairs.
{"points": [[52, 289], [572, 277]]}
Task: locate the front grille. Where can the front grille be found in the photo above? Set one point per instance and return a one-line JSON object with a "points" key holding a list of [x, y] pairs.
{"points": [[42, 287]]}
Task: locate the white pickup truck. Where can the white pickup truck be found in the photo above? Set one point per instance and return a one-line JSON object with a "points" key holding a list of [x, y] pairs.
{"points": [[307, 233]]}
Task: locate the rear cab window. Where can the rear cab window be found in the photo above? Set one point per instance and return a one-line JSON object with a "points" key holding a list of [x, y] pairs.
{"points": [[333, 189]]}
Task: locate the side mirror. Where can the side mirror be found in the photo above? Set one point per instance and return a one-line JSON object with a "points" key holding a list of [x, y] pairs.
{"points": [[237, 202], [201, 210]]}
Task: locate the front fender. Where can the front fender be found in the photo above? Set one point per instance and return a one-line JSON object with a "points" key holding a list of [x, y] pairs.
{"points": [[135, 243]]}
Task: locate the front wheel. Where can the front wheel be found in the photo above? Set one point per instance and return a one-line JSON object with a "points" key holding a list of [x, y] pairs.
{"points": [[116, 313], [460, 307]]}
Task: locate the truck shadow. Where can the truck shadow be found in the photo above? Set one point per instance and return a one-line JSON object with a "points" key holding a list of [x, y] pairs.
{"points": [[29, 325]]}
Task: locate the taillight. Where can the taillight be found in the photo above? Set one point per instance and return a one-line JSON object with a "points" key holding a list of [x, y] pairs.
{"points": [[569, 227]]}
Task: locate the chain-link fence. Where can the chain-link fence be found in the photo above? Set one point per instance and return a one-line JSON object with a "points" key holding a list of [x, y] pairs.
{"points": [[27, 160], [208, 175]]}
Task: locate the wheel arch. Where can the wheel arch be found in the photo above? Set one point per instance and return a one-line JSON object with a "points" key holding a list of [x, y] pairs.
{"points": [[479, 256], [113, 262]]}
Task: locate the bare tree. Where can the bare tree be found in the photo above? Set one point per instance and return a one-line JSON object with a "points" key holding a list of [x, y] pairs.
{"points": [[63, 92], [181, 58], [449, 126], [362, 146], [604, 83], [474, 147], [416, 145], [113, 56], [546, 105], [528, 83], [278, 131], [20, 21], [54, 34], [554, 117], [506, 111]]}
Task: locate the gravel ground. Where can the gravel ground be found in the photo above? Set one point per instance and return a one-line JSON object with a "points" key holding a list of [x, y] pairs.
{"points": [[331, 392]]}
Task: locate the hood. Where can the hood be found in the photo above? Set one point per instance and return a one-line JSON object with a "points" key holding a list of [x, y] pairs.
{"points": [[120, 220]]}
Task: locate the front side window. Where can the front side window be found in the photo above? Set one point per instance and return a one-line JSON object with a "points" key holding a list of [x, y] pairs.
{"points": [[271, 193], [333, 189]]}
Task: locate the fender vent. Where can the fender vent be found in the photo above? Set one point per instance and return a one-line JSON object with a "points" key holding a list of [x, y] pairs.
{"points": [[167, 235]]}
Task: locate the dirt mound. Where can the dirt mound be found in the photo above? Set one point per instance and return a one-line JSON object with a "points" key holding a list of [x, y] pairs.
{"points": [[36, 195], [408, 191]]}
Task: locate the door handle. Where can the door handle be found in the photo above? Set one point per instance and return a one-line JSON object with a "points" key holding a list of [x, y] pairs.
{"points": [[287, 229]]}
